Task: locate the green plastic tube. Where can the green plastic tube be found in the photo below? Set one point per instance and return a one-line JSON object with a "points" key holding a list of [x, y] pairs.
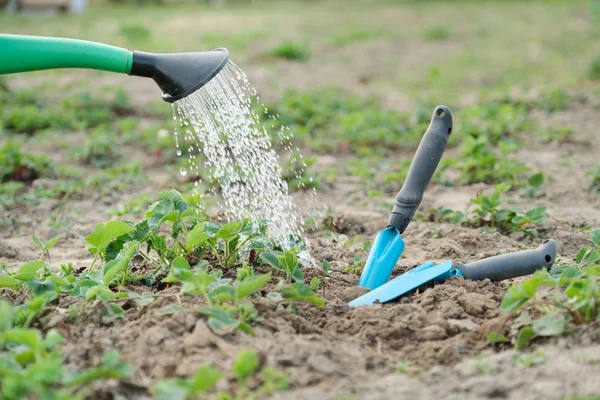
{"points": [[20, 53]]}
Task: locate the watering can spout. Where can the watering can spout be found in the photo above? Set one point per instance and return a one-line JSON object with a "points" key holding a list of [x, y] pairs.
{"points": [[177, 74]]}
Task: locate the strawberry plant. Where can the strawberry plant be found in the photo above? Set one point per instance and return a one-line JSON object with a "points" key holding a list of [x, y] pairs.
{"points": [[553, 302], [203, 383], [594, 176], [32, 365], [490, 214]]}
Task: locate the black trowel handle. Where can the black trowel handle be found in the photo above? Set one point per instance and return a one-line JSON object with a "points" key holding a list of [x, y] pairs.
{"points": [[423, 166], [511, 265]]}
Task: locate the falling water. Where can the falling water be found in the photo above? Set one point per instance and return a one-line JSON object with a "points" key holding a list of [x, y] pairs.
{"points": [[220, 123]]}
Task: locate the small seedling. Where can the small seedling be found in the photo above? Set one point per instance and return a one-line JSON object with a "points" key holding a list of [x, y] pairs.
{"points": [[45, 247], [356, 267]]}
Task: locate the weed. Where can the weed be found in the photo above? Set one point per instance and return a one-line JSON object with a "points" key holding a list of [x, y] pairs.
{"points": [[572, 299], [437, 33], [294, 51]]}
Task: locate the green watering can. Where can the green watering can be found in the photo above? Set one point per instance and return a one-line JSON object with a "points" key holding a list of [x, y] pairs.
{"points": [[177, 74]]}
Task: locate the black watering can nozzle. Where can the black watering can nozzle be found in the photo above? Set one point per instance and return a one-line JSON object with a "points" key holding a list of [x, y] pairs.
{"points": [[179, 74]]}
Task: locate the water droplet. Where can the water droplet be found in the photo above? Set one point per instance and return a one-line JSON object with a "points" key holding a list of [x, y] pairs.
{"points": [[183, 171], [178, 153]]}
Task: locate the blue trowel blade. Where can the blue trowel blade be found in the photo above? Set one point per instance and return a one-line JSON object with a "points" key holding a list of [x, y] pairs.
{"points": [[407, 282], [385, 252]]}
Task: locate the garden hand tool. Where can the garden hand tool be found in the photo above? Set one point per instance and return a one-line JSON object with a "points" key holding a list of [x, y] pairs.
{"points": [[177, 74], [495, 268], [388, 245]]}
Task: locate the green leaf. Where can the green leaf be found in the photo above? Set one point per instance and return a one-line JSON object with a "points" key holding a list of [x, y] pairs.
{"points": [[31, 267], [7, 281], [595, 238], [52, 242], [28, 337], [105, 233], [251, 285], [58, 281], [495, 337], [52, 339], [272, 260], [170, 309], [297, 275], [170, 389], [204, 379], [536, 179], [6, 315], [227, 230], [245, 365], [37, 242], [221, 326], [551, 324], [326, 266], [524, 336], [222, 294], [519, 294], [196, 237], [121, 263]]}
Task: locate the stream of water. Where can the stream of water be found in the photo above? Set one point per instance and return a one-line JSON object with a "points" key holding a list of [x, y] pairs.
{"points": [[220, 126]]}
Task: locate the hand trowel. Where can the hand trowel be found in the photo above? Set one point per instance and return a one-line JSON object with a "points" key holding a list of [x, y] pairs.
{"points": [[388, 245], [495, 268]]}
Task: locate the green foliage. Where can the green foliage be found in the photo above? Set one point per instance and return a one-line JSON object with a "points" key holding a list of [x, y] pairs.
{"points": [[16, 165], [556, 99], [329, 120], [295, 51], [490, 214], [437, 33], [33, 366], [203, 383], [573, 298], [354, 35], [534, 188], [99, 149], [480, 163], [594, 69], [30, 112], [594, 177]]}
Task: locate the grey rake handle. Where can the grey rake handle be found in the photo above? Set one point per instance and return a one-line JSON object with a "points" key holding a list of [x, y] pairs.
{"points": [[428, 155], [511, 265]]}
